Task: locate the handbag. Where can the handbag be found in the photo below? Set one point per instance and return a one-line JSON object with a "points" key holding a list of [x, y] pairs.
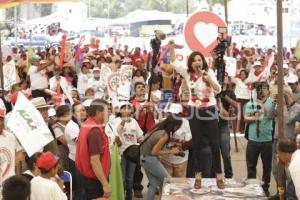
{"points": [[132, 153]]}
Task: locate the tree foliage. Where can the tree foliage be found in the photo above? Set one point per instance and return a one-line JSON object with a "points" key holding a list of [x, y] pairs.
{"points": [[120, 8]]}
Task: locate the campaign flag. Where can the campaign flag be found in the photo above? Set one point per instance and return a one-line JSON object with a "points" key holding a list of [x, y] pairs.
{"points": [[28, 125], [115, 177], [297, 51]]}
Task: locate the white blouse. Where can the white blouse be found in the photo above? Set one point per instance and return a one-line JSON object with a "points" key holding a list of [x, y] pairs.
{"points": [[205, 94], [241, 89]]}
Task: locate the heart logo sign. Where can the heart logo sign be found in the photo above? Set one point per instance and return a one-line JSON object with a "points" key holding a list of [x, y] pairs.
{"points": [[206, 33], [201, 32]]}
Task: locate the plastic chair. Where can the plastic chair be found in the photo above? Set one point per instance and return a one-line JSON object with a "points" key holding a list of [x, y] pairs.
{"points": [[67, 177]]}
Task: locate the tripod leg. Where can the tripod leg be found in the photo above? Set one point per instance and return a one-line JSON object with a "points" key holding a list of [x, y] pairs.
{"points": [[234, 136]]}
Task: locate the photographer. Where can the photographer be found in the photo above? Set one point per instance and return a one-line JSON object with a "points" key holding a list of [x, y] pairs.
{"points": [[259, 130], [226, 104]]}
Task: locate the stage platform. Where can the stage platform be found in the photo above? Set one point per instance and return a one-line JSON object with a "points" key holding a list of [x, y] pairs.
{"points": [[183, 189]]}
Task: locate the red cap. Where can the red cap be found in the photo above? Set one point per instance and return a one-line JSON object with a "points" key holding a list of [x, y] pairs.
{"points": [[2, 113], [14, 97], [47, 161]]}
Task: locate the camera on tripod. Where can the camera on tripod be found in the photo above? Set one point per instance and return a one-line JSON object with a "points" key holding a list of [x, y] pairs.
{"points": [[219, 50], [224, 43]]}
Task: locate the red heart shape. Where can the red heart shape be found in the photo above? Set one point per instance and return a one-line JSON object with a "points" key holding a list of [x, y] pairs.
{"points": [[189, 34]]}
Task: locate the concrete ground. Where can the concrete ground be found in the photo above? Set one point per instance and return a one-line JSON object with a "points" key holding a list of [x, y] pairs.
{"points": [[238, 163]]}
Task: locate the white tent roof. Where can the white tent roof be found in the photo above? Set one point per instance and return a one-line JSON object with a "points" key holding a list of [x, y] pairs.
{"points": [[144, 15]]}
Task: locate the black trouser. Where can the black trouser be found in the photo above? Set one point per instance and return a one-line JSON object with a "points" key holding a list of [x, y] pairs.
{"points": [[138, 178], [93, 188], [206, 138], [39, 93], [190, 169], [225, 148], [264, 149]]}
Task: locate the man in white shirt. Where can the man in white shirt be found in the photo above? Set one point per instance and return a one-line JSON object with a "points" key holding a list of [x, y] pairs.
{"points": [[290, 156], [97, 84], [38, 79], [48, 186]]}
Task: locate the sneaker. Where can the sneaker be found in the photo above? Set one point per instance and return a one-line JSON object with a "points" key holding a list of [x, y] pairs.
{"points": [[138, 194]]}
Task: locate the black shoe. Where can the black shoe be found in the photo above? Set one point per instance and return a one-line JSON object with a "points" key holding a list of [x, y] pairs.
{"points": [[274, 197], [138, 194]]}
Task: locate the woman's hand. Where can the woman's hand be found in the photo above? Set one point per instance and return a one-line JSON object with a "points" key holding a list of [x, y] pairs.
{"points": [[174, 151], [118, 141]]}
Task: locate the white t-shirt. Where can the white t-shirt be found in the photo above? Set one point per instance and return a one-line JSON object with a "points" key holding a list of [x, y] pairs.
{"points": [[46, 189], [129, 134], [241, 89], [201, 90], [72, 132], [8, 148], [98, 87], [53, 83], [82, 83], [295, 171], [182, 134], [38, 79]]}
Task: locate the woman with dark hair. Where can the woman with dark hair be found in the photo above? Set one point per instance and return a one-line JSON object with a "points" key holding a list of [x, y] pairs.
{"points": [[153, 147], [63, 114], [202, 83], [72, 133], [129, 133], [242, 93]]}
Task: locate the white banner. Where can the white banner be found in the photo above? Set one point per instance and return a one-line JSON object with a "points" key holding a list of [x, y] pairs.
{"points": [[118, 83], [230, 66], [29, 126], [9, 74]]}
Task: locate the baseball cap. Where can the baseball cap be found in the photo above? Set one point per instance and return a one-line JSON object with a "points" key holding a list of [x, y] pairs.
{"points": [[51, 112], [96, 69], [257, 63], [14, 97], [174, 108], [285, 66], [292, 79], [47, 161], [124, 103]]}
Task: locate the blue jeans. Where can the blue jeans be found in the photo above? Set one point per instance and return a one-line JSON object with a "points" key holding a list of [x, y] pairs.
{"points": [[128, 169], [225, 149], [155, 172]]}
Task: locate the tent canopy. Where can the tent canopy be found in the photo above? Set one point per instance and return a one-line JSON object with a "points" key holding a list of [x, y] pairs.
{"points": [[12, 3]]}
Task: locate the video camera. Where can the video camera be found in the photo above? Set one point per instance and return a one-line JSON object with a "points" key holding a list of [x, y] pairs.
{"points": [[223, 43], [220, 52]]}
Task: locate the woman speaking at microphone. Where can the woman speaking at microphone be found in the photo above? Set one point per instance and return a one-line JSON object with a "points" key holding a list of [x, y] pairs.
{"points": [[203, 118]]}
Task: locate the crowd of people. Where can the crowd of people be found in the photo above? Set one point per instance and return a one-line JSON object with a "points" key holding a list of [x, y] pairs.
{"points": [[185, 137]]}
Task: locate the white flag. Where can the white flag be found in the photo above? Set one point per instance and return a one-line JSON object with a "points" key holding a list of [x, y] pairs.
{"points": [[9, 74], [29, 126]]}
